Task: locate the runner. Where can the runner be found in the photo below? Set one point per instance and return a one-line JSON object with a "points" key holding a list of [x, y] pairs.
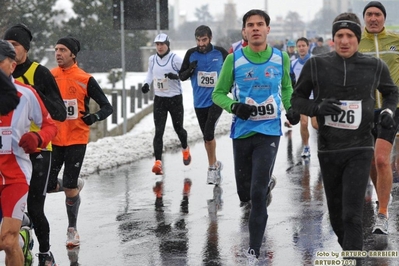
{"points": [[162, 72], [40, 78], [202, 65], [261, 75], [69, 146], [15, 167], [344, 84]]}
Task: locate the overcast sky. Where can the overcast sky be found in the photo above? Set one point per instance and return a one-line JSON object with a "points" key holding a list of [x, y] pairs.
{"points": [[306, 9], [216, 7]]}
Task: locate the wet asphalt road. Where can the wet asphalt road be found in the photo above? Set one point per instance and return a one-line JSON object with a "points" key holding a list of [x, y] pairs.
{"points": [[120, 225]]}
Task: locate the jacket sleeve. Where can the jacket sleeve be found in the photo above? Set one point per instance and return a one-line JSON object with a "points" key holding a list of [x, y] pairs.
{"points": [[388, 89], [303, 88], [96, 93], [47, 88], [8, 95], [185, 71], [223, 85]]}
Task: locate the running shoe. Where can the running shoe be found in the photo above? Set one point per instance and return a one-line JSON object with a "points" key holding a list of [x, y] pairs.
{"points": [[73, 239], [272, 184], [186, 156], [252, 260], [381, 225], [26, 235], [46, 259], [214, 176], [187, 187], [157, 168], [306, 151]]}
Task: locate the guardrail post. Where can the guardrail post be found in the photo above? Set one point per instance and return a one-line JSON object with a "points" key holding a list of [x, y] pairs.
{"points": [[133, 99], [115, 107], [140, 97]]}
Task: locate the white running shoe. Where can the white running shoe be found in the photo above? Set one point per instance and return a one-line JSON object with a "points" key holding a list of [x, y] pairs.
{"points": [[252, 260], [306, 151], [73, 239], [381, 225], [214, 176]]}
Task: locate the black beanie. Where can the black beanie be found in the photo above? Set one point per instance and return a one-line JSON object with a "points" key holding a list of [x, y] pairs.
{"points": [[71, 43], [377, 5], [19, 33]]}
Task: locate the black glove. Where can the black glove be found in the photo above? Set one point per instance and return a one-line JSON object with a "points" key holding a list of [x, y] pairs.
{"points": [[385, 119], [328, 107], [293, 116], [89, 119], [193, 65], [145, 88], [243, 110], [171, 75]]}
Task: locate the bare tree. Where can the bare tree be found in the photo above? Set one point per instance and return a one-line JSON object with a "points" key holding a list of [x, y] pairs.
{"points": [[293, 24], [203, 15]]}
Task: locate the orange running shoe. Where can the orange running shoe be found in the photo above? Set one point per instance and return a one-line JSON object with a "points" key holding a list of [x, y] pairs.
{"points": [[186, 156], [157, 168], [187, 186]]}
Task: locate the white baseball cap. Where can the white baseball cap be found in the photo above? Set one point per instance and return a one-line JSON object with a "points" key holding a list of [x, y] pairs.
{"points": [[162, 37]]}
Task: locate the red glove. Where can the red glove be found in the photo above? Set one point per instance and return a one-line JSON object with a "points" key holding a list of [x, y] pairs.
{"points": [[30, 142]]}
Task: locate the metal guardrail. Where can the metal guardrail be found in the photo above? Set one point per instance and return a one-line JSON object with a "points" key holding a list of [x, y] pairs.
{"points": [[138, 101]]}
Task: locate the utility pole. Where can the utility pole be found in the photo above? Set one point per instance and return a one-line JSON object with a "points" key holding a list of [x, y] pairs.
{"points": [[124, 115], [158, 11]]}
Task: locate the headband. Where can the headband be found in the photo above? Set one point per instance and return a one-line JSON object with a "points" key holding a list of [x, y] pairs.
{"points": [[347, 24]]}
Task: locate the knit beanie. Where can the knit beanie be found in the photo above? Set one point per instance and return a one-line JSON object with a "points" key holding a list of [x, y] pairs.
{"points": [[19, 33], [377, 5], [71, 43]]}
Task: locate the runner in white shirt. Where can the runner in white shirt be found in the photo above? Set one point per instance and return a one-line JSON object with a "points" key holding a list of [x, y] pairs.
{"points": [[163, 68]]}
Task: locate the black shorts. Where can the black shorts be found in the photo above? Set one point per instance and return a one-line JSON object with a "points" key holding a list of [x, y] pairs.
{"points": [[385, 133], [71, 157], [207, 119]]}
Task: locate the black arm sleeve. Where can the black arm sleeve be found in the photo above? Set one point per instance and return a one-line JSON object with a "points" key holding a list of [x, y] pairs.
{"points": [[47, 88], [96, 93], [8, 95], [303, 88], [185, 71], [222, 51]]}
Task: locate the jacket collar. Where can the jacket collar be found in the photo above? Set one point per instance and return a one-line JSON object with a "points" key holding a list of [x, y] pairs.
{"points": [[369, 35]]}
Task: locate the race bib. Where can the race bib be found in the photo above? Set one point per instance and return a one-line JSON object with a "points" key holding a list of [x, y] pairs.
{"points": [[266, 110], [5, 140], [72, 108], [349, 118], [207, 79], [161, 84]]}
